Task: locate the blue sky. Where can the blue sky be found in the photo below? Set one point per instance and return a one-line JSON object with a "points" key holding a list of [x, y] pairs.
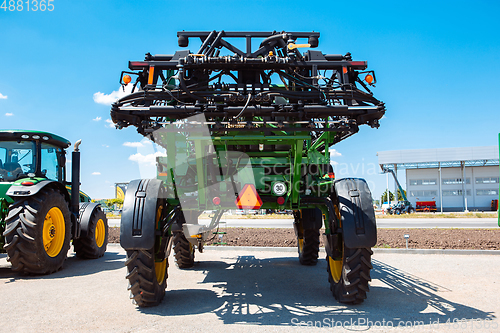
{"points": [[437, 66]]}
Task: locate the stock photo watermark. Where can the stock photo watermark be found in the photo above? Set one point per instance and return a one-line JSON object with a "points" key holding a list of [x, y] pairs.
{"points": [[361, 323]]}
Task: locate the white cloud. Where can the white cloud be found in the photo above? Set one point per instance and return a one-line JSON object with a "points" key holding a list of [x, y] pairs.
{"points": [[133, 144], [334, 153], [9, 114], [96, 173], [97, 119], [149, 159], [3, 96], [108, 99], [110, 123], [105, 146], [335, 163]]}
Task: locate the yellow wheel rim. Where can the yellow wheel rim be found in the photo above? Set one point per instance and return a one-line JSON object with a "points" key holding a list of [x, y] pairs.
{"points": [[161, 269], [54, 232], [100, 233], [335, 269]]}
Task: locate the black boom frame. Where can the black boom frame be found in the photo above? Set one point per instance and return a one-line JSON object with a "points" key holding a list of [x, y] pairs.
{"points": [[273, 87]]}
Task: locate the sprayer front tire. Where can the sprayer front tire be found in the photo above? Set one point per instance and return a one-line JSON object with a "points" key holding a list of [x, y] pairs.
{"points": [[147, 277], [38, 232], [349, 276]]}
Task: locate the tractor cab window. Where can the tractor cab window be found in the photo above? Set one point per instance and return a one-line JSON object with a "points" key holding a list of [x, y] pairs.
{"points": [[17, 159], [50, 165]]}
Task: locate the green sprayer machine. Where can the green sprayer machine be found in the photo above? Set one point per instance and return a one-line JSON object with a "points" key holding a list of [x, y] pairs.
{"points": [[247, 129]]}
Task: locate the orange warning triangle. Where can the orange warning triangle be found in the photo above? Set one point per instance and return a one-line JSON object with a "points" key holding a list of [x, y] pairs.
{"points": [[248, 198]]}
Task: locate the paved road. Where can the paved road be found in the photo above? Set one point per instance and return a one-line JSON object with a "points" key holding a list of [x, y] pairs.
{"points": [[256, 291], [381, 223]]}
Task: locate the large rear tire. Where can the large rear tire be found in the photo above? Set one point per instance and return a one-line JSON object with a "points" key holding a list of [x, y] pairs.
{"points": [[349, 276], [184, 251], [308, 238], [38, 232], [95, 240]]}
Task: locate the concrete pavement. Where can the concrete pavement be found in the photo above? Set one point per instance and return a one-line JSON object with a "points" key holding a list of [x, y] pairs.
{"points": [[254, 291]]}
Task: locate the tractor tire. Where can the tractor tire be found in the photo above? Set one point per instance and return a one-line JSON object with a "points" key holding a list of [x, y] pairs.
{"points": [[411, 210], [184, 251], [349, 276], [38, 232], [308, 238], [147, 278], [93, 244], [397, 211]]}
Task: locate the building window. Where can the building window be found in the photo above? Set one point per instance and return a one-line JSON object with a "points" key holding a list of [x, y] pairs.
{"points": [[487, 180], [449, 193], [487, 192], [423, 182], [455, 181], [423, 193]]}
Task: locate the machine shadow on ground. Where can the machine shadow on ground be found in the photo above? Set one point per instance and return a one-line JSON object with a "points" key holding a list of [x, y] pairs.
{"points": [[73, 266], [279, 291]]}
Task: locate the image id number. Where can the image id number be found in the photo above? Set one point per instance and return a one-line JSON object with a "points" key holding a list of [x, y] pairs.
{"points": [[28, 6]]}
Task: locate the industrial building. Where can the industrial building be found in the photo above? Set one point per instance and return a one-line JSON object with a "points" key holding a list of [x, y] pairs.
{"points": [[438, 175]]}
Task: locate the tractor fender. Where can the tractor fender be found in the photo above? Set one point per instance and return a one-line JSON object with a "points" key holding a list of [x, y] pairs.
{"points": [[84, 214], [137, 229], [359, 229], [28, 191]]}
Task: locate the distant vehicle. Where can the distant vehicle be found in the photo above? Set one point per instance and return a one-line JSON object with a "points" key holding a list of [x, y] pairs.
{"points": [[400, 207], [426, 206]]}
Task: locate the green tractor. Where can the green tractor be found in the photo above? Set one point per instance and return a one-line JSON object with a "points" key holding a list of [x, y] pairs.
{"points": [[40, 213]]}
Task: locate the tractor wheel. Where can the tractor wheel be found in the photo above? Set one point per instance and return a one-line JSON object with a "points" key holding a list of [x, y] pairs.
{"points": [[95, 240], [349, 275], [397, 211], [147, 271], [411, 210], [184, 251], [308, 238], [38, 232]]}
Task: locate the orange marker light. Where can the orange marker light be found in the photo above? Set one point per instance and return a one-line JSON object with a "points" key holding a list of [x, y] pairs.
{"points": [[127, 79], [248, 198], [369, 79]]}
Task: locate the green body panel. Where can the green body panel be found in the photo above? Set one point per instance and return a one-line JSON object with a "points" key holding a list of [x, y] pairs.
{"points": [[304, 154]]}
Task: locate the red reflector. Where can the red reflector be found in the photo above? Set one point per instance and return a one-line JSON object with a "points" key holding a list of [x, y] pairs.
{"points": [[281, 200], [26, 183], [248, 198], [216, 201], [331, 175]]}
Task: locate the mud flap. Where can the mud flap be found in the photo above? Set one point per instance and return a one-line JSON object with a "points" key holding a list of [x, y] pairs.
{"points": [[85, 213], [137, 229], [355, 203]]}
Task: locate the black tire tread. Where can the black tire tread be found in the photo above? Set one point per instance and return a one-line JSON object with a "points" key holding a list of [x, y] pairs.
{"points": [[86, 247], [144, 289], [184, 253], [23, 233], [353, 284], [310, 249]]}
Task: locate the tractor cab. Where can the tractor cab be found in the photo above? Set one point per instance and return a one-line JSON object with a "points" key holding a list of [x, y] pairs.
{"points": [[32, 154]]}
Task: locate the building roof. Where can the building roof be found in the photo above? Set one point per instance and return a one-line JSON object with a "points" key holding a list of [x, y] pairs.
{"points": [[433, 158]]}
